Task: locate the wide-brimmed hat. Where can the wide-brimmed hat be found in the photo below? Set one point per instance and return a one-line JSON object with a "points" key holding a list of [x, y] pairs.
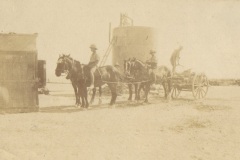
{"points": [[152, 51], [93, 46]]}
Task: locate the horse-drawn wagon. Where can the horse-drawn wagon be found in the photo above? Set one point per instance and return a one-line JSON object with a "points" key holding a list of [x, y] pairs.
{"points": [[190, 81]]}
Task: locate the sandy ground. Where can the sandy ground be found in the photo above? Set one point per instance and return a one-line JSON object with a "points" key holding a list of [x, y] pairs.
{"points": [[178, 130]]}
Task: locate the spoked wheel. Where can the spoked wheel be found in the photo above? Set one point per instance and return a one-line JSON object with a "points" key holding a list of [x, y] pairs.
{"points": [[200, 86], [176, 92]]}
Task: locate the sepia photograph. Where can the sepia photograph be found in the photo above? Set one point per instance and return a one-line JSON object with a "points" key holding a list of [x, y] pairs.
{"points": [[119, 80]]}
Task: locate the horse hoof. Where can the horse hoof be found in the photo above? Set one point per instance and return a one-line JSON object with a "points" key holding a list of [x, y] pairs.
{"points": [[137, 99], [112, 105], [169, 98], [91, 102], [146, 102]]}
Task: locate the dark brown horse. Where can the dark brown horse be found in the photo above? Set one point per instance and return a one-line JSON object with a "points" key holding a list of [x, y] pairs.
{"points": [[140, 73], [75, 70], [104, 75], [130, 79]]}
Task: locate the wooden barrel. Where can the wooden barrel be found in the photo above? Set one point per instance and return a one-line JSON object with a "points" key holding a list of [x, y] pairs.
{"points": [[18, 73]]}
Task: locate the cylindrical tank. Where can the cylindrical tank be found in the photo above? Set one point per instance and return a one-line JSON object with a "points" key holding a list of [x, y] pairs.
{"points": [[132, 41], [18, 73]]}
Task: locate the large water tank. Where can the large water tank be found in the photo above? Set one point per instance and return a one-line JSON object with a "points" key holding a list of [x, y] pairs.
{"points": [[133, 41]]}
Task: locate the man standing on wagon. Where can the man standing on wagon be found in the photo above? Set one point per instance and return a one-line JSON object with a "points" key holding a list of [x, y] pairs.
{"points": [[94, 59]]}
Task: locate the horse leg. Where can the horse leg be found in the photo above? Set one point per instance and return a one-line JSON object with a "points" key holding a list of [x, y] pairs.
{"points": [[147, 89], [113, 89], [81, 95], [143, 88], [130, 92], [114, 93], [100, 95], [139, 88], [136, 91], [165, 89], [79, 90], [85, 96], [76, 94], [169, 82], [110, 87], [83, 101], [93, 95]]}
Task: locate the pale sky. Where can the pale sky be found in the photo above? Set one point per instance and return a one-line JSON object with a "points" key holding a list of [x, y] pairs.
{"points": [[209, 31]]}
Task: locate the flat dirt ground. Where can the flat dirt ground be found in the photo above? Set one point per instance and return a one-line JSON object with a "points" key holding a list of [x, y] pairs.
{"points": [[181, 129]]}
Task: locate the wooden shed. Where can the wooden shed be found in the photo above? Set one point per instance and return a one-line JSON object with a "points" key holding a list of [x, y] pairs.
{"points": [[18, 73]]}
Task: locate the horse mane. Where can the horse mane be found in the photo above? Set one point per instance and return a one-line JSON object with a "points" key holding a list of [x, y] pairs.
{"points": [[69, 57], [77, 63]]}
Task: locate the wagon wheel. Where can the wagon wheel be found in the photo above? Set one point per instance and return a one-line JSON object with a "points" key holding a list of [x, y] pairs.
{"points": [[176, 92], [200, 86]]}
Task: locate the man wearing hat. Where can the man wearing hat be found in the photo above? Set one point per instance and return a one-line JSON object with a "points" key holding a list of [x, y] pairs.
{"points": [[94, 59], [175, 58], [152, 63]]}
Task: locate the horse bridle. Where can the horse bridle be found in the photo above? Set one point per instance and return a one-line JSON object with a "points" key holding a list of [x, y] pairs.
{"points": [[65, 65], [136, 69], [128, 69]]}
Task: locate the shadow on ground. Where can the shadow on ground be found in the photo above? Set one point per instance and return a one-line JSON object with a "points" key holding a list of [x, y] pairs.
{"points": [[59, 109], [119, 104]]}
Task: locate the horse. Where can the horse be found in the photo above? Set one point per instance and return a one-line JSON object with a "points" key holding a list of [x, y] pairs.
{"points": [[139, 70], [75, 70], [104, 75], [131, 81]]}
